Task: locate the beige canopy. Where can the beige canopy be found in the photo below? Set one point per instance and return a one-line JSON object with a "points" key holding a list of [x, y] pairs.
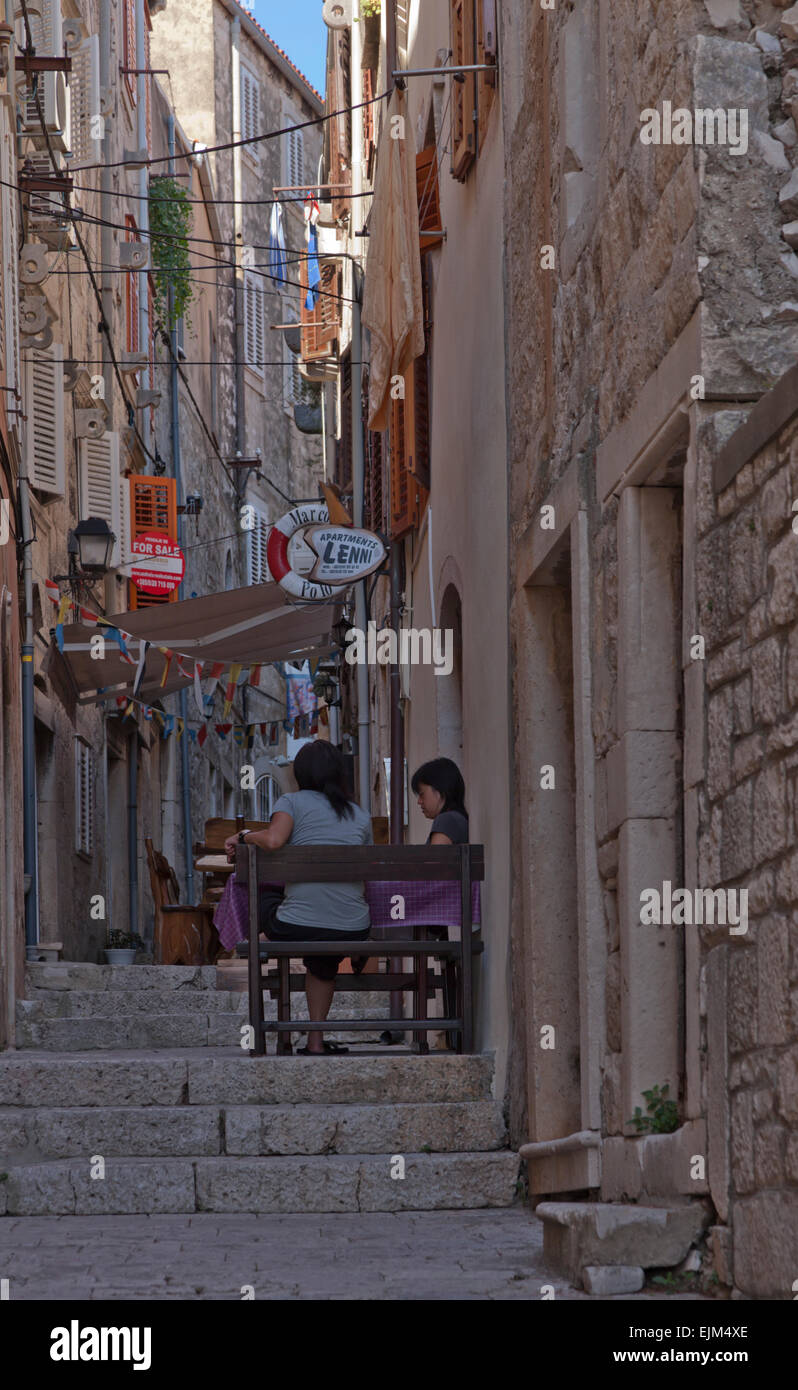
{"points": [[251, 626]]}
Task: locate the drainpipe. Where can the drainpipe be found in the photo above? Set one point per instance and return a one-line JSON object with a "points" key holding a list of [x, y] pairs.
{"points": [[358, 483], [142, 82], [28, 733], [132, 829], [238, 237], [185, 767]]}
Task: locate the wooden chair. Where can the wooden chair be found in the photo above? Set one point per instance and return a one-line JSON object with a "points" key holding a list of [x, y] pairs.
{"points": [[463, 864], [183, 935]]}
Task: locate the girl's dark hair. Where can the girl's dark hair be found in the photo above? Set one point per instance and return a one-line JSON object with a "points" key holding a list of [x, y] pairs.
{"points": [[320, 767], [446, 777]]}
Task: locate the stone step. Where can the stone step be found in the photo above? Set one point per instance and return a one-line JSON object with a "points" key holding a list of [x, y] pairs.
{"points": [[328, 1183], [29, 1136], [44, 1004], [197, 1076], [68, 975], [180, 1028]]}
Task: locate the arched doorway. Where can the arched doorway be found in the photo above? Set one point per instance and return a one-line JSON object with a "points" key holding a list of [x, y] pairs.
{"points": [[449, 688]]}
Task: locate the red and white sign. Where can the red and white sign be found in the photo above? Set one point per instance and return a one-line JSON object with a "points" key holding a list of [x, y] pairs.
{"points": [[158, 563]]}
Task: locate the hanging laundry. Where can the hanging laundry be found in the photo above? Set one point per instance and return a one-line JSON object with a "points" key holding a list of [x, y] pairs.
{"points": [[278, 262], [312, 240]]}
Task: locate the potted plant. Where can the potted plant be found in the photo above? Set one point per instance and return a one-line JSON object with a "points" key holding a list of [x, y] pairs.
{"points": [[370, 14], [122, 947]]}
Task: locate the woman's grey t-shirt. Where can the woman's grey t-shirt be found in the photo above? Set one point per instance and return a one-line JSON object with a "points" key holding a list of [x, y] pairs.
{"points": [[451, 823], [336, 906]]}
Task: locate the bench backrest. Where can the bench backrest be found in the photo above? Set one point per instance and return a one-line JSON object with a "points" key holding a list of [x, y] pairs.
{"points": [[370, 863]]}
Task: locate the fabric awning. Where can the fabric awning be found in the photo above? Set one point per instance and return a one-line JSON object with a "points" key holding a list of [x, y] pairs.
{"points": [[255, 625]]}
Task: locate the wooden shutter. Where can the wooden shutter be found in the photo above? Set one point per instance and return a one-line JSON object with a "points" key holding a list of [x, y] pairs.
{"points": [[98, 485], [250, 111], [257, 538], [374, 498], [132, 291], [44, 430], [463, 93], [403, 486], [253, 321], [295, 156], [429, 203], [321, 324], [124, 520], [340, 126], [9, 309], [129, 46], [84, 101], [153, 507], [486, 53], [84, 798], [343, 445], [368, 119]]}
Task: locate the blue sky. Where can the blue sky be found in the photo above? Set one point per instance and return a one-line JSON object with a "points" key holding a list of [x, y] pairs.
{"points": [[297, 26]]}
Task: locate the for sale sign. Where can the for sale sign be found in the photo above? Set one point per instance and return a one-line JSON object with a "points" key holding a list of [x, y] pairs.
{"points": [[158, 563]]}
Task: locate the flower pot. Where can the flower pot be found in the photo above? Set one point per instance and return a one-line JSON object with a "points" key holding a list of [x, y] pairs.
{"points": [[120, 956], [370, 53]]}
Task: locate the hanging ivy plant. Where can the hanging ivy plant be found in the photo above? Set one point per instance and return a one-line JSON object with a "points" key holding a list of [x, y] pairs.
{"points": [[170, 224]]}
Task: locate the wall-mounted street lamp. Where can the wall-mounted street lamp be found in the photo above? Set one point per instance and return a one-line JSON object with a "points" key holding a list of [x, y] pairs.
{"points": [[89, 547]]}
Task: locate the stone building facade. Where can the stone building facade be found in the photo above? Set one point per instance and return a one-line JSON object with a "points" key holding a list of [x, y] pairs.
{"points": [[650, 302]]}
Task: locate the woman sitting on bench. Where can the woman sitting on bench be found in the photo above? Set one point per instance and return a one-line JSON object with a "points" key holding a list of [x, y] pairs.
{"points": [[322, 812]]}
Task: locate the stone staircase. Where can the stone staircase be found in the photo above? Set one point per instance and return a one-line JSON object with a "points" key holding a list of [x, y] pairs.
{"points": [[131, 1094]]}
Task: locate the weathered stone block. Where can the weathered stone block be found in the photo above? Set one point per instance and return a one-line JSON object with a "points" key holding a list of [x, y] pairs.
{"points": [[577, 1234], [747, 756], [765, 1241], [773, 991], [770, 814], [783, 578], [768, 1156], [743, 1008], [352, 1080], [130, 1186], [475, 1126], [613, 1001], [775, 504], [742, 1142], [720, 1244], [767, 682], [719, 738], [737, 833], [92, 1080], [788, 1085], [126, 1131], [604, 1281]]}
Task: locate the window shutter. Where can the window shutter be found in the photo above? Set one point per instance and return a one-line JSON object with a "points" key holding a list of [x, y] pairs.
{"points": [[257, 567], [98, 481], [124, 520], [295, 156], [429, 204], [9, 312], [340, 127], [250, 111], [343, 445], [368, 119], [84, 798], [486, 53], [44, 432], [403, 490], [417, 426], [153, 507], [84, 101], [373, 502], [321, 324], [129, 46], [463, 93], [253, 321]]}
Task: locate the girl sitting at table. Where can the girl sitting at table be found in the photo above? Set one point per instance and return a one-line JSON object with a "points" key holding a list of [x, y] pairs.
{"points": [[322, 812], [440, 789]]}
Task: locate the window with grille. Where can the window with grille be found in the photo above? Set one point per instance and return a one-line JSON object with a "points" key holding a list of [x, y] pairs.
{"points": [[84, 798], [267, 792], [250, 111], [257, 538], [253, 321]]}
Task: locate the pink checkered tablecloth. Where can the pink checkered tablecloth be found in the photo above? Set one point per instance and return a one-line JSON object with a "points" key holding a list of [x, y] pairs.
{"points": [[425, 904]]}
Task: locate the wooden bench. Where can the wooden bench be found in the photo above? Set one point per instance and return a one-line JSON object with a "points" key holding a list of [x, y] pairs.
{"points": [[463, 864], [184, 935]]}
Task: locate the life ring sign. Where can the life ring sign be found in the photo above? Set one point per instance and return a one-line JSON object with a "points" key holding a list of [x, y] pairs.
{"points": [[311, 558]]}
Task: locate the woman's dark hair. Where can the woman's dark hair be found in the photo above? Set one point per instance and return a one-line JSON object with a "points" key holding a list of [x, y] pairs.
{"points": [[320, 767], [446, 778]]}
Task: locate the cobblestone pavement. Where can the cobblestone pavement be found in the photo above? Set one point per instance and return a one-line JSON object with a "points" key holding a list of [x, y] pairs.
{"points": [[371, 1255]]}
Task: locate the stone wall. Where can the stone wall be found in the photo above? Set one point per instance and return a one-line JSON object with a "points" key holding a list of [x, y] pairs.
{"points": [[747, 838]]}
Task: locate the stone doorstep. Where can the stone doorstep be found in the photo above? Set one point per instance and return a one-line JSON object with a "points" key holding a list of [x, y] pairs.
{"points": [[196, 1076], [356, 1182], [50, 1003], [65, 975], [33, 1136], [577, 1235]]}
